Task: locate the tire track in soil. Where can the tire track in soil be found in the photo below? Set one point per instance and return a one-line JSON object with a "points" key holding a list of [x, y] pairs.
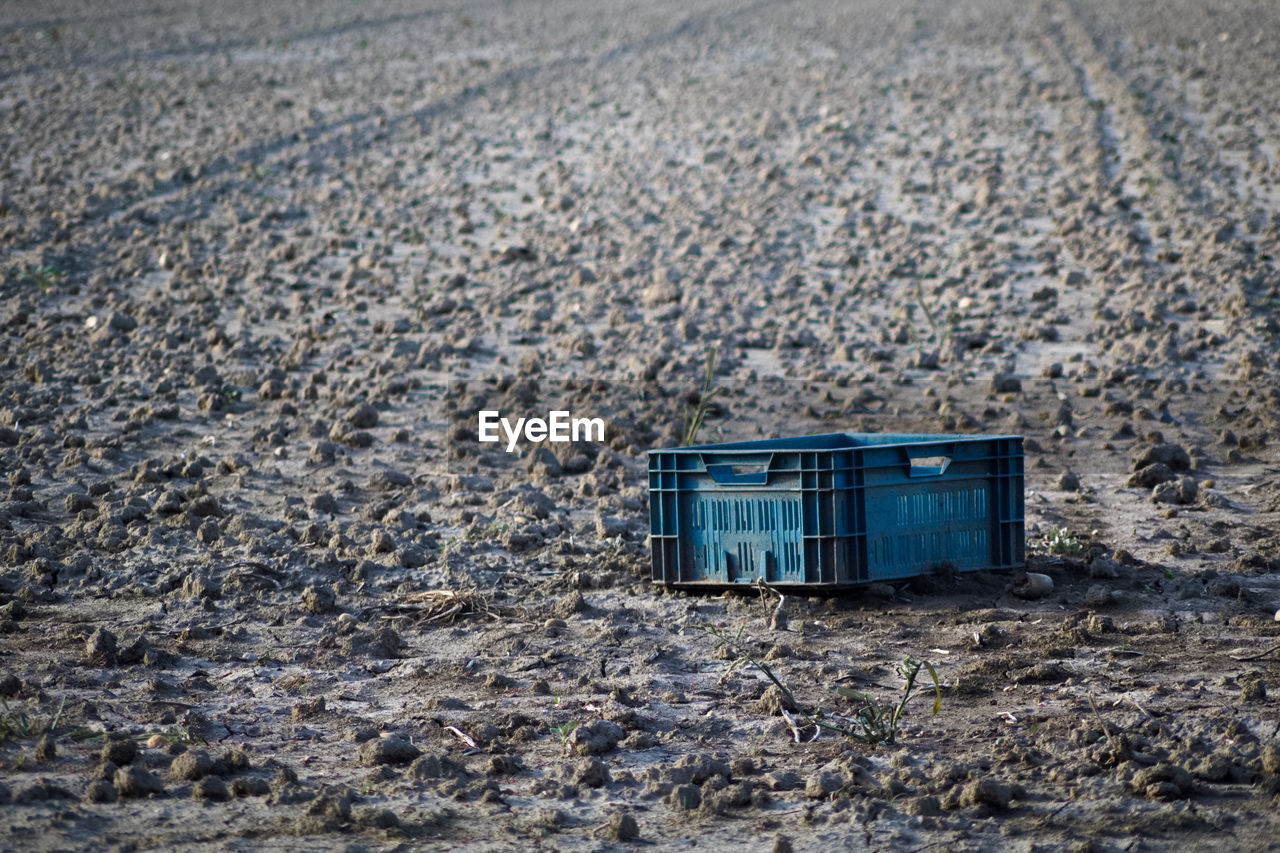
{"points": [[191, 51], [322, 142], [1153, 203]]}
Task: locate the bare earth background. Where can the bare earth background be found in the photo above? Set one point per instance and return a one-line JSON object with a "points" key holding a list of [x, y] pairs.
{"points": [[260, 587]]}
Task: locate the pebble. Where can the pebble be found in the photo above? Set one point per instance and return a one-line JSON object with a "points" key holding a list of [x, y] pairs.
{"points": [[596, 737], [1032, 585], [100, 648], [134, 782], [119, 751], [363, 416], [1182, 491], [318, 598], [987, 792], [1097, 596], [389, 749], [623, 827], [191, 765], [211, 788]]}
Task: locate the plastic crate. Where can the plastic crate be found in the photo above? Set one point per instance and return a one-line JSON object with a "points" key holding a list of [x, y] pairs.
{"points": [[835, 510]]}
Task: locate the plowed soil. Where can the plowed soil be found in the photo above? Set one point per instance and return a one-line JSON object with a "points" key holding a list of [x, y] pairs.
{"points": [[261, 586]]}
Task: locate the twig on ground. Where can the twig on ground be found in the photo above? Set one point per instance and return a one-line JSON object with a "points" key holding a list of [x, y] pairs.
{"points": [[1263, 654]]}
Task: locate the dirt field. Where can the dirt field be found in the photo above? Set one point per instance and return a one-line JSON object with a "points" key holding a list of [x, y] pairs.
{"points": [[260, 586]]}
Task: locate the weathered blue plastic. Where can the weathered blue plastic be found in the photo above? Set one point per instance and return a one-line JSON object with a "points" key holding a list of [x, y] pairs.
{"points": [[835, 510]]}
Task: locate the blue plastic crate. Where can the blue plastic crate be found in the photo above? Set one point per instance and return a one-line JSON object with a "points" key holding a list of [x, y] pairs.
{"points": [[835, 510]]}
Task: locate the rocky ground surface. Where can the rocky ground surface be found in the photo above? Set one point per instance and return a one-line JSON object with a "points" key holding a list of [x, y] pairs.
{"points": [[261, 586]]}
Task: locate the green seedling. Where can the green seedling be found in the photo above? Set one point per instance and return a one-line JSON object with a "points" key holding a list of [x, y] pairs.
{"points": [[876, 723], [871, 722], [1060, 541], [44, 277], [16, 724], [695, 415], [183, 735], [563, 731]]}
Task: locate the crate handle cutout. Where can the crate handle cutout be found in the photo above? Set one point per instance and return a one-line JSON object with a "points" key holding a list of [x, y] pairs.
{"points": [[929, 466], [741, 473]]}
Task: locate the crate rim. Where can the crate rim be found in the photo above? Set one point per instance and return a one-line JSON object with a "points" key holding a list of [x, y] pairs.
{"points": [[778, 444]]}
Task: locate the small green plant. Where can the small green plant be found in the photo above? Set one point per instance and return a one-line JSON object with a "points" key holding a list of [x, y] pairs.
{"points": [[871, 721], [696, 413], [183, 735], [16, 724], [877, 723], [44, 277], [1060, 541], [563, 731], [923, 302]]}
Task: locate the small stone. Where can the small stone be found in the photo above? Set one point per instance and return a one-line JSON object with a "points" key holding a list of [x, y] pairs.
{"points": [[1163, 781], [120, 751], [211, 788], [822, 784], [250, 786], [363, 416], [1005, 383], [1102, 567], [392, 749], [45, 749], [623, 827], [987, 792], [205, 506], [1097, 596], [781, 844], [209, 532], [782, 780], [100, 791], [608, 527], [778, 619], [686, 797], [387, 480], [589, 773], [100, 648], [596, 737], [1032, 585], [136, 782], [318, 598], [10, 685], [1151, 476], [1271, 758], [190, 766], [118, 321], [435, 765], [773, 702], [1172, 455], [1068, 481], [1182, 491]]}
